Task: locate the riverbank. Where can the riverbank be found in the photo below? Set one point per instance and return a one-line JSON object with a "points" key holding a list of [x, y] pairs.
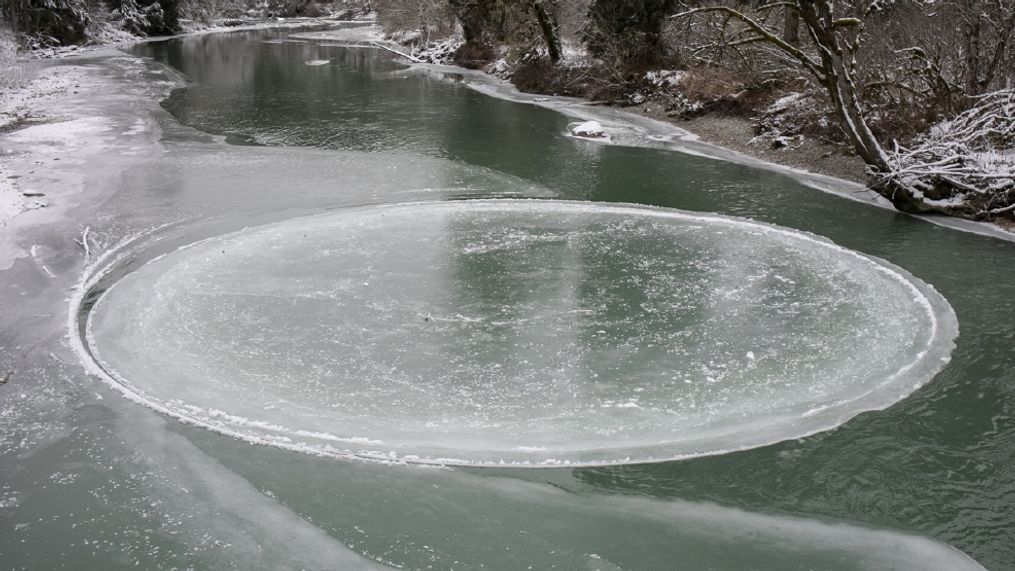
{"points": [[737, 133], [40, 88], [827, 167], [816, 162], [42, 98]]}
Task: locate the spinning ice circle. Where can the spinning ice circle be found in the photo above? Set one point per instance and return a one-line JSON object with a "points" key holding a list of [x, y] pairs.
{"points": [[518, 333]]}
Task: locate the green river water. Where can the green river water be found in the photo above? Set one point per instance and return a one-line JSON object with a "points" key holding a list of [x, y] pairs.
{"points": [[258, 136]]}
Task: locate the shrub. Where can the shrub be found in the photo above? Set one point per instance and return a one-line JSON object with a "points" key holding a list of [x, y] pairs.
{"points": [[51, 22], [474, 55]]}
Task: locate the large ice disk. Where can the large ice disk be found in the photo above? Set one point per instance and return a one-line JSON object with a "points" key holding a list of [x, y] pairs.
{"points": [[519, 332]]}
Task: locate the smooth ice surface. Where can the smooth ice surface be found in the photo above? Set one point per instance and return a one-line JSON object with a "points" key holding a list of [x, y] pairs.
{"points": [[519, 332]]}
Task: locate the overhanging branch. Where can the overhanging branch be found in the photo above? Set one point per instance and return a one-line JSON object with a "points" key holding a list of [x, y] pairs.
{"points": [[763, 34]]}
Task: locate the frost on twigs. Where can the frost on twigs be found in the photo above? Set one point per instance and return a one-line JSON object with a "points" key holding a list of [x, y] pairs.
{"points": [[439, 52], [794, 117], [964, 166]]}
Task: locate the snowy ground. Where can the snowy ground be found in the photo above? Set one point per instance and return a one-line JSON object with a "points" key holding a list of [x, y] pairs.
{"points": [[35, 109], [25, 112], [59, 130]]}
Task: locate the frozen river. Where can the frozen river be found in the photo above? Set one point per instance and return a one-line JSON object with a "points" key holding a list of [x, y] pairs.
{"points": [[246, 315]]}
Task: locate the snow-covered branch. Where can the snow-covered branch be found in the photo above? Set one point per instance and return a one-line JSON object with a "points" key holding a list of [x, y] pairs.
{"points": [[964, 166]]}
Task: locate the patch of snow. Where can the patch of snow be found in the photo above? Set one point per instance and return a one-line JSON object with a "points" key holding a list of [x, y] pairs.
{"points": [[572, 52], [441, 52], [11, 202], [501, 68], [784, 102], [406, 37], [665, 78], [783, 141], [957, 200], [588, 129], [353, 34], [68, 134]]}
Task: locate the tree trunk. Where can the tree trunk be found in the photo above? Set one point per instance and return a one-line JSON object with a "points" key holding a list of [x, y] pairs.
{"points": [[471, 20], [837, 79], [630, 30], [791, 26], [1000, 51], [548, 26], [973, 50]]}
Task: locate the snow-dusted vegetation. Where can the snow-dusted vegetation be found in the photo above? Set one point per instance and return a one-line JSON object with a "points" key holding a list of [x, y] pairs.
{"points": [[917, 89], [42, 25], [964, 165]]}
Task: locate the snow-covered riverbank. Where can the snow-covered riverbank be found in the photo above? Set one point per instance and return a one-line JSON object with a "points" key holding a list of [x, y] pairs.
{"points": [[725, 139], [78, 119], [46, 99]]}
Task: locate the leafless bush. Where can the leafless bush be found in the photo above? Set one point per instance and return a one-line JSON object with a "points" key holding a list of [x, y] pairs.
{"points": [[474, 55], [209, 11], [965, 164], [430, 20], [805, 113], [538, 75], [712, 84]]}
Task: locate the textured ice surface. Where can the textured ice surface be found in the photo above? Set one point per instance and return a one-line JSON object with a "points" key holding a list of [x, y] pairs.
{"points": [[522, 332]]}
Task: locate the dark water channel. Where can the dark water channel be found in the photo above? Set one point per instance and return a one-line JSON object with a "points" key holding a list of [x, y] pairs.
{"points": [[360, 129]]}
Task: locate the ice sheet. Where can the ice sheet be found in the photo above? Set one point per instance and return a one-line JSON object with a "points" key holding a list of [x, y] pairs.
{"points": [[519, 332]]}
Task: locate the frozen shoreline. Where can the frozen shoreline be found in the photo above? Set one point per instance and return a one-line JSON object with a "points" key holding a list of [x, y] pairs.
{"points": [[677, 139], [624, 127]]}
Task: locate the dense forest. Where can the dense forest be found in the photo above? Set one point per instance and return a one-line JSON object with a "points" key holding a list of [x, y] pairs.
{"points": [[920, 90]]}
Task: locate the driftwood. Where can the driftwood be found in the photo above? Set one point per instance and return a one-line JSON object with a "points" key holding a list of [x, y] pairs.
{"points": [[401, 53]]}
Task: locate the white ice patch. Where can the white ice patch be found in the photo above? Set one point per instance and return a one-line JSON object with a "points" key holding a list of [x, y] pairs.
{"points": [[350, 34], [64, 134], [587, 129], [518, 333], [11, 201]]}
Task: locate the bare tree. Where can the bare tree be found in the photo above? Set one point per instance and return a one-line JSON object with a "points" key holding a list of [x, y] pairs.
{"points": [[835, 31], [988, 29], [547, 19], [628, 30], [512, 22]]}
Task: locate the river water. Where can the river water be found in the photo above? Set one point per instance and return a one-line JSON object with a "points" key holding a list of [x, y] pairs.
{"points": [[271, 127]]}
